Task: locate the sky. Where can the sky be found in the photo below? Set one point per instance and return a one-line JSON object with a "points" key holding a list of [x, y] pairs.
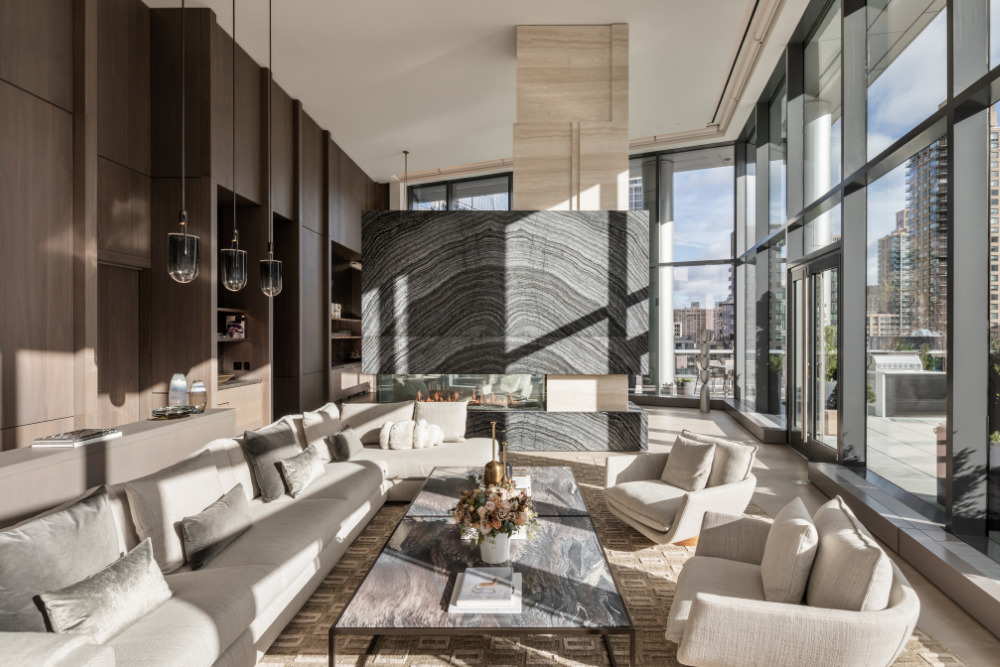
{"points": [[886, 197], [703, 214]]}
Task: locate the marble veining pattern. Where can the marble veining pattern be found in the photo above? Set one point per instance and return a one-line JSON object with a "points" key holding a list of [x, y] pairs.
{"points": [[564, 431], [505, 292], [566, 580]]}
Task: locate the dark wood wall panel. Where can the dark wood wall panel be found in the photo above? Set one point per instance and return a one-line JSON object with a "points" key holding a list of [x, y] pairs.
{"points": [[36, 242], [222, 107], [287, 305], [315, 311], [123, 209], [118, 346], [123, 83], [353, 186], [283, 157], [36, 48], [165, 40], [311, 174]]}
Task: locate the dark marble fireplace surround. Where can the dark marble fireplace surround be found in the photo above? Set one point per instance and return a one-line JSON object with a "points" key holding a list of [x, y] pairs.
{"points": [[548, 292]]}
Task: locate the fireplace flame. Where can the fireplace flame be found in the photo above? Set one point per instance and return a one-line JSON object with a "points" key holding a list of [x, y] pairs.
{"points": [[440, 396]]}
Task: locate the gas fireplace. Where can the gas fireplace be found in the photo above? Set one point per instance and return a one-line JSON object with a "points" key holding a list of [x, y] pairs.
{"points": [[521, 391]]}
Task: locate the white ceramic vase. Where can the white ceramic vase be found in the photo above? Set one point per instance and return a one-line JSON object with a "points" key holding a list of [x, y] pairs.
{"points": [[495, 550]]}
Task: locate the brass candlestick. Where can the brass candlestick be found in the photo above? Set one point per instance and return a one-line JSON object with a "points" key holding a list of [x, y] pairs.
{"points": [[504, 450], [493, 473]]}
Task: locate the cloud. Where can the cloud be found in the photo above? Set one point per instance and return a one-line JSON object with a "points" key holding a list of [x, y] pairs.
{"points": [[704, 210], [708, 285]]}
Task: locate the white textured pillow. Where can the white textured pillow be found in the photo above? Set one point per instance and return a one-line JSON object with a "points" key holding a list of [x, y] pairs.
{"points": [[367, 418], [435, 435], [401, 435], [319, 424], [788, 554], [450, 416], [421, 435], [383, 435], [689, 464], [159, 502]]}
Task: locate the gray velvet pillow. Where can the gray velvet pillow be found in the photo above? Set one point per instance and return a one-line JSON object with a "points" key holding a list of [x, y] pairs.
{"points": [[345, 444], [266, 447], [50, 552], [106, 603], [302, 469], [207, 533]]}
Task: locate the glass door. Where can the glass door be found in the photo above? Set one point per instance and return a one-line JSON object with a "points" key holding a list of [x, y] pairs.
{"points": [[815, 329]]}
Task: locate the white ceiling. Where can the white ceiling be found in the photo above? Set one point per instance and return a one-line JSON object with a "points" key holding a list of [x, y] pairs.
{"points": [[438, 77]]}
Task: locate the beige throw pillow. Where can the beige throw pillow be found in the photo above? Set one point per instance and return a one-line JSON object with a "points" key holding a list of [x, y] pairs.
{"points": [[732, 461], [689, 464], [788, 554], [320, 424]]}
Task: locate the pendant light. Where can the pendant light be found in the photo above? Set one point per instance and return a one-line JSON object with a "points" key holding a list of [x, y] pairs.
{"points": [[406, 177], [234, 260], [182, 248], [270, 268]]}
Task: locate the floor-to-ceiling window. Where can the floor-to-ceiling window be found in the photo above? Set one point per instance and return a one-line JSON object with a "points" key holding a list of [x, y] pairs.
{"points": [[484, 193], [823, 109], [777, 176]]}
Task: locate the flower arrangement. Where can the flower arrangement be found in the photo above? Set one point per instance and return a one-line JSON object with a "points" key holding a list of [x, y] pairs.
{"points": [[494, 510]]}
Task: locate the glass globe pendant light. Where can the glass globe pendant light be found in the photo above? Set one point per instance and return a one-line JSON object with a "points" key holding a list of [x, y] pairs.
{"points": [[234, 260], [182, 248], [270, 268]]}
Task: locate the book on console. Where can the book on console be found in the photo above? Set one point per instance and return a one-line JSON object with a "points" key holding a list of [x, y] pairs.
{"points": [[78, 438]]}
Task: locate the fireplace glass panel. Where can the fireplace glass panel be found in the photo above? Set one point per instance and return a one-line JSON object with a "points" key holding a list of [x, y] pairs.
{"points": [[519, 391]]}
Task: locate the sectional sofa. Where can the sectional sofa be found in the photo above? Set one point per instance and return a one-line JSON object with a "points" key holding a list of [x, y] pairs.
{"points": [[232, 609]]}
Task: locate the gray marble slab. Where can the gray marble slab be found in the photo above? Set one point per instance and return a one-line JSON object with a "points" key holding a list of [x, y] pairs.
{"points": [[540, 431], [554, 491], [505, 292], [566, 581]]}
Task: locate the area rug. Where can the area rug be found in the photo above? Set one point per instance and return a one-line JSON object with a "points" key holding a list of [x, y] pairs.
{"points": [[646, 574]]}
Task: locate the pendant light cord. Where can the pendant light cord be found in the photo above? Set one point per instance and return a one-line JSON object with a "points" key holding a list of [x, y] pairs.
{"points": [[236, 236], [183, 161], [270, 168]]}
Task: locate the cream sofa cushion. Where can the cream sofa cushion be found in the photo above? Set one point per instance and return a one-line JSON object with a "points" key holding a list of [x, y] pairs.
{"points": [[851, 571], [416, 463], [716, 576], [732, 460], [788, 554], [648, 501], [319, 424], [367, 418], [159, 502], [689, 464], [450, 416]]}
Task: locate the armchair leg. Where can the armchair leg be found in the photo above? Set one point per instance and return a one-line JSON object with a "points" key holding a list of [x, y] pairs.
{"points": [[690, 542]]}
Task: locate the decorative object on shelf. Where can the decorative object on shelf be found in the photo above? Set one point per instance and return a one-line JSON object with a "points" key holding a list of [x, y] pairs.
{"points": [[493, 472], [173, 412], [182, 248], [234, 260], [222, 378], [336, 309], [236, 326], [270, 268], [703, 372], [178, 390], [491, 514], [198, 396]]}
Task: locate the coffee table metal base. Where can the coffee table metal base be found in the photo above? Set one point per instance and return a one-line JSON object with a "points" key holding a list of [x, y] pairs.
{"points": [[498, 632]]}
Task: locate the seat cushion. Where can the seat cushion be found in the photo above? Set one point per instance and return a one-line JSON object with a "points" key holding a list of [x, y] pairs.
{"points": [[649, 501], [367, 418], [850, 571], [788, 554], [354, 481], [689, 464], [418, 463], [450, 416], [716, 576], [732, 460], [320, 424]]}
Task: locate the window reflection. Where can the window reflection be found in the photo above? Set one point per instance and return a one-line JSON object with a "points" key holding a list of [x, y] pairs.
{"points": [[822, 109]]}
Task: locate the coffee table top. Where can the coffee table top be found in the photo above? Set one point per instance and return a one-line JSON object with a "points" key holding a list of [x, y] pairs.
{"points": [[554, 491], [566, 580]]}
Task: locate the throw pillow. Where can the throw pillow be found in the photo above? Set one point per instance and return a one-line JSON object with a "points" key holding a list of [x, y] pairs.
{"points": [[421, 435], [104, 604], [345, 444], [732, 461], [401, 435], [788, 554], [435, 435], [450, 417], [53, 551], [383, 435], [160, 501], [320, 424], [302, 470], [213, 529], [266, 447], [367, 418], [851, 570], [689, 464]]}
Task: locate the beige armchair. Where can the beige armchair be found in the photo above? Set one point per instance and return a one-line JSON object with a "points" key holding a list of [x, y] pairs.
{"points": [[667, 514]]}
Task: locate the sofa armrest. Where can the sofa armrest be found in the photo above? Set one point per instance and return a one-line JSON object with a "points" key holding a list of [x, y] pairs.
{"points": [[49, 649], [634, 467], [733, 537], [730, 631], [731, 498]]}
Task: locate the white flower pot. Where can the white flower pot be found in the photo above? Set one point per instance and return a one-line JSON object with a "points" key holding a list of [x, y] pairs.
{"points": [[495, 550]]}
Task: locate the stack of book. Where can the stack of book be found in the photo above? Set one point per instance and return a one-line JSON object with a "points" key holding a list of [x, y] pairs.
{"points": [[486, 590], [78, 438]]}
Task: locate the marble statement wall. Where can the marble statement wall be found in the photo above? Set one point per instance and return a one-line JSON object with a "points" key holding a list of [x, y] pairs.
{"points": [[537, 431], [555, 292]]}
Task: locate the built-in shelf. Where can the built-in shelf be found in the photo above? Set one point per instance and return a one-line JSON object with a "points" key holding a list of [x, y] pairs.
{"points": [[346, 319], [234, 311], [346, 364], [345, 337], [231, 340]]}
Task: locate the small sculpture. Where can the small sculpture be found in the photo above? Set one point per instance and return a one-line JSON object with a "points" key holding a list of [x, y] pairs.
{"points": [[494, 471], [703, 373]]}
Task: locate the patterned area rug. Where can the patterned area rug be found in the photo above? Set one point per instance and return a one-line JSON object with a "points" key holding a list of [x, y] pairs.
{"points": [[646, 574]]}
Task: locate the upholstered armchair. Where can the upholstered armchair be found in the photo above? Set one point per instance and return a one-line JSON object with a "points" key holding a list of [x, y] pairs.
{"points": [[671, 511]]}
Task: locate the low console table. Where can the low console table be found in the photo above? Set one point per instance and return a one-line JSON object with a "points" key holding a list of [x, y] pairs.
{"points": [[567, 585]]}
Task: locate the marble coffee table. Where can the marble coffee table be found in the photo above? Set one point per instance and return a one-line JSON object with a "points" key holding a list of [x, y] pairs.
{"points": [[567, 585]]}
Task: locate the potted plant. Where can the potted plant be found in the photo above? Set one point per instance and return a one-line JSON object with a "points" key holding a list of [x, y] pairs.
{"points": [[490, 515], [684, 386]]}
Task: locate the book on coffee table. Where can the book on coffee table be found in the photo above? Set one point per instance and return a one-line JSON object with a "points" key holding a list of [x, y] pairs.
{"points": [[486, 590]]}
